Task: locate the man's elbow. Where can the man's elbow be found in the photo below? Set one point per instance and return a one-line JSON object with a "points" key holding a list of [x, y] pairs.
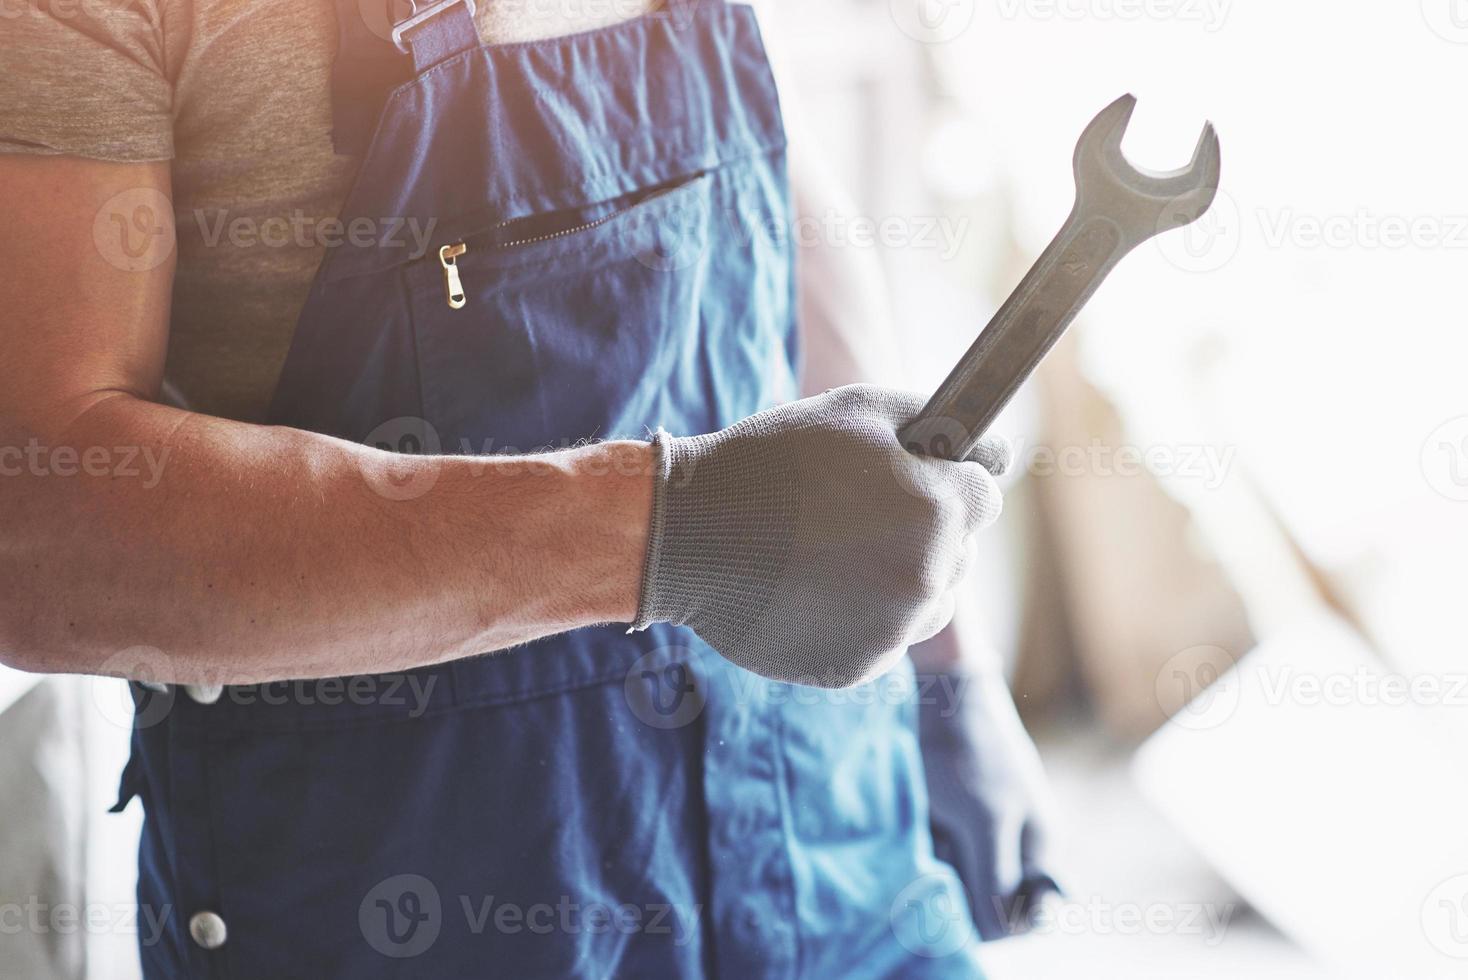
{"points": [[25, 657], [24, 647]]}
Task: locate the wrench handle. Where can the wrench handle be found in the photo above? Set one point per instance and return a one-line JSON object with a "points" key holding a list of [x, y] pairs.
{"points": [[1021, 333]]}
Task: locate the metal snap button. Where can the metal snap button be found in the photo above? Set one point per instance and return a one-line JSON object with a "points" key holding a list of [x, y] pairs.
{"points": [[208, 930], [204, 693]]}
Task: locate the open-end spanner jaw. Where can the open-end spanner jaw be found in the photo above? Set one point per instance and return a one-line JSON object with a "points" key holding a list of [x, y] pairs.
{"points": [[1118, 206], [1144, 202]]}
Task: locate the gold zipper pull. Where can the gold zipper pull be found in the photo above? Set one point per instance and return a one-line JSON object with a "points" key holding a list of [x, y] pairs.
{"points": [[452, 285]]}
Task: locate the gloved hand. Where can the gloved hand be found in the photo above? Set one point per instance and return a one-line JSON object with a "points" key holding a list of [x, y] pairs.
{"points": [[805, 544], [987, 799]]}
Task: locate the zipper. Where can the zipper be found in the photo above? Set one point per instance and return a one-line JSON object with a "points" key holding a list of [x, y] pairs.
{"points": [[447, 256], [453, 286], [564, 231]]}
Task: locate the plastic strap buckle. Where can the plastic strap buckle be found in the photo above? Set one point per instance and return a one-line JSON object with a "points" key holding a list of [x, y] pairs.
{"points": [[417, 16]]}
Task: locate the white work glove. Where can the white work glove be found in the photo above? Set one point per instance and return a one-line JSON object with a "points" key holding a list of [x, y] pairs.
{"points": [[805, 544]]}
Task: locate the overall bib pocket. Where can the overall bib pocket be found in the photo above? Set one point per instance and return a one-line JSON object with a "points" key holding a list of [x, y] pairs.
{"points": [[561, 320]]}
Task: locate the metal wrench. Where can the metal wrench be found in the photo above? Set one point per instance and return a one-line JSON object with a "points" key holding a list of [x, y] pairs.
{"points": [[1118, 206]]}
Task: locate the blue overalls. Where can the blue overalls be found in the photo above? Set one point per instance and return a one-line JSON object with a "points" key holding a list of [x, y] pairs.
{"points": [[609, 218]]}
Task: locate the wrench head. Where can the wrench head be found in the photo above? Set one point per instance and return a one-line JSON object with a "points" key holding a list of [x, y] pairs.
{"points": [[1142, 202]]}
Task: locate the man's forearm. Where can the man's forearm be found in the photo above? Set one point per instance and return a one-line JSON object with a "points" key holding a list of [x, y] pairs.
{"points": [[245, 553]]}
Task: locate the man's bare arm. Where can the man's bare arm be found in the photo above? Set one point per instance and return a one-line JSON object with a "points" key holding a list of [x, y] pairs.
{"points": [[247, 552]]}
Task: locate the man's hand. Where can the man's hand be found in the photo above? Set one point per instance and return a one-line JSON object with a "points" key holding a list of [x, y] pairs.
{"points": [[805, 544]]}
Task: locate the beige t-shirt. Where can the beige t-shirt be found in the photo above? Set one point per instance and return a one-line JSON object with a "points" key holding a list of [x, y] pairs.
{"points": [[237, 93]]}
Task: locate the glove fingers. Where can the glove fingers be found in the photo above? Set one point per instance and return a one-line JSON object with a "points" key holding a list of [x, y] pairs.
{"points": [[967, 560], [981, 494], [993, 453], [936, 620], [890, 405]]}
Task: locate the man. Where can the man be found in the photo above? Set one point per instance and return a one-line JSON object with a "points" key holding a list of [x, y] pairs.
{"points": [[407, 260]]}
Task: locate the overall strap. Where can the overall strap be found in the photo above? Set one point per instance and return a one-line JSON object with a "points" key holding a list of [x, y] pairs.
{"points": [[436, 31], [380, 45]]}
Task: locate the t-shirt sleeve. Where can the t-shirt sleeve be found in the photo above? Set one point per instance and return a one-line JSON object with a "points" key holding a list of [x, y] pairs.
{"points": [[85, 78]]}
